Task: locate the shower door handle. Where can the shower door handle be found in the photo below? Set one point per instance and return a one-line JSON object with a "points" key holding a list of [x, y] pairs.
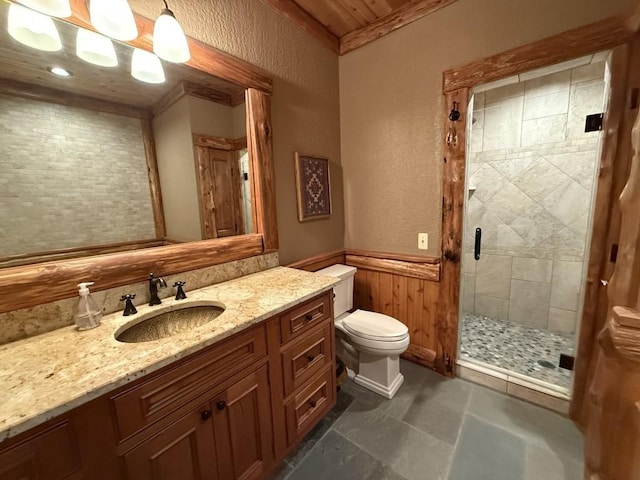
{"points": [[476, 250]]}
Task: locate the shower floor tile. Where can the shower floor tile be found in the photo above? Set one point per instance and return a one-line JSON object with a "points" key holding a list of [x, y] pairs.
{"points": [[517, 348]]}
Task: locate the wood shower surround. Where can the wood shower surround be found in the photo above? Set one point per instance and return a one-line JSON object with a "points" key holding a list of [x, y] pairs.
{"points": [[27, 286]]}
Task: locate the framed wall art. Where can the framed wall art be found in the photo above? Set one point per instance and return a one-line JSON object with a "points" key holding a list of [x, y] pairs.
{"points": [[313, 187]]}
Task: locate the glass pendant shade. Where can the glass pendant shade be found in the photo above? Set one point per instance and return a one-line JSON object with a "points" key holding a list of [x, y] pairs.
{"points": [[53, 8], [113, 18], [146, 67], [95, 48], [33, 29], [169, 42]]}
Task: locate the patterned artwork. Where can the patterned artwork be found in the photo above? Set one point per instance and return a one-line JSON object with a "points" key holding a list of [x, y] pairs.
{"points": [[313, 188]]}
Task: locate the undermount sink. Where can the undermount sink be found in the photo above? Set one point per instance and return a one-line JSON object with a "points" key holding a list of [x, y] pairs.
{"points": [[169, 323]]}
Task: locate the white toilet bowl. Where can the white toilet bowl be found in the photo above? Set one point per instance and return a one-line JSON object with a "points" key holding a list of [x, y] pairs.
{"points": [[369, 343]]}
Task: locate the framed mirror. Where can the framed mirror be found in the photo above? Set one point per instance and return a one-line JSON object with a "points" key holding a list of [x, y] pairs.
{"points": [[108, 177]]}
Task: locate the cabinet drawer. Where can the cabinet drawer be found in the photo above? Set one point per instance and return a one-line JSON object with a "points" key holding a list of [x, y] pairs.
{"points": [[51, 455], [308, 406], [305, 316], [303, 359], [154, 399]]}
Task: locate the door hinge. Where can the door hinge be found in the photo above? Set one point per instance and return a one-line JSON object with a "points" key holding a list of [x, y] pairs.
{"points": [[594, 122], [567, 361], [613, 256]]}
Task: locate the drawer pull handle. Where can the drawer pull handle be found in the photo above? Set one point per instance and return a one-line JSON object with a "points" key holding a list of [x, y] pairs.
{"points": [[312, 403], [310, 358], [221, 405], [308, 317], [206, 415]]}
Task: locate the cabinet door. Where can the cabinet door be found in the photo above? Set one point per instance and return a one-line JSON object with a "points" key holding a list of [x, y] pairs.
{"points": [[243, 429], [182, 451]]}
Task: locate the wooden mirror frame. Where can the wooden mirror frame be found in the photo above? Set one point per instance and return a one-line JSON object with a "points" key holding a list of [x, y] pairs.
{"points": [[30, 285]]}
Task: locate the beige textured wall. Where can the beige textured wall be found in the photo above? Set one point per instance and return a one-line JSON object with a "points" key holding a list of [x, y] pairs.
{"points": [[177, 172], [305, 104], [390, 104]]}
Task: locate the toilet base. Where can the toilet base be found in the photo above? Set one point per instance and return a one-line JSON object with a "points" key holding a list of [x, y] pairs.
{"points": [[380, 374]]}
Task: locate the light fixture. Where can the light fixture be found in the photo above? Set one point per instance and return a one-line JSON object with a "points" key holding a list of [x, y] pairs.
{"points": [[113, 18], [53, 8], [95, 48], [33, 29], [146, 67], [59, 71], [169, 42]]}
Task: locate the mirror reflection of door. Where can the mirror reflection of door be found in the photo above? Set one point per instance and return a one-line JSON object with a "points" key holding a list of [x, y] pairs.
{"points": [[220, 192]]}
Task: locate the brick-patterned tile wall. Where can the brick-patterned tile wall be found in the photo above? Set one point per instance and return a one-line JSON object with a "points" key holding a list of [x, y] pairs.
{"points": [[70, 177]]}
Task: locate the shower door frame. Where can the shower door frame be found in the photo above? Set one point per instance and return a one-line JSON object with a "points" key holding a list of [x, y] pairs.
{"points": [[607, 34]]}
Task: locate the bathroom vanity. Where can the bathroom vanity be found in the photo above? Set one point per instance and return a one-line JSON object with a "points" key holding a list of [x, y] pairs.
{"points": [[228, 400]]}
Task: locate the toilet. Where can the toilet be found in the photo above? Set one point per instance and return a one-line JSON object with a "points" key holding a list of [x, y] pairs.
{"points": [[369, 343]]}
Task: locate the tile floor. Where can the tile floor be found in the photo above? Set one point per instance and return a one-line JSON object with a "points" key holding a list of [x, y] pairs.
{"points": [[517, 348], [436, 428]]}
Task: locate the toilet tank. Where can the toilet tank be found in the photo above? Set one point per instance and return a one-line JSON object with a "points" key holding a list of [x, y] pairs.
{"points": [[343, 301]]}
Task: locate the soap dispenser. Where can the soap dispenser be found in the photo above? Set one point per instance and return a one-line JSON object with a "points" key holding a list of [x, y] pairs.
{"points": [[88, 315]]}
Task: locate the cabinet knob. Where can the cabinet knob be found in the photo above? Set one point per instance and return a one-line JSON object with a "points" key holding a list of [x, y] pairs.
{"points": [[309, 317], [310, 358], [312, 403], [221, 405], [206, 415]]}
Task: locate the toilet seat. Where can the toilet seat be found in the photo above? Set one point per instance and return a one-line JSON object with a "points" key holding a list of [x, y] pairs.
{"points": [[375, 326]]}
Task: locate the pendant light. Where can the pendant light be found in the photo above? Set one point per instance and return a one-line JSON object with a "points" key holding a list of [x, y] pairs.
{"points": [[146, 67], [33, 29], [53, 8], [95, 48], [113, 18], [169, 42]]}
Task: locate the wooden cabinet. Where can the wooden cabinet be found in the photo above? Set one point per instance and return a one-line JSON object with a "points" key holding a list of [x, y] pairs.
{"points": [[243, 429], [183, 451], [231, 411]]}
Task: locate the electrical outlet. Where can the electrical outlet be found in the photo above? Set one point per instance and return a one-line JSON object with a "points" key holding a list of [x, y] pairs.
{"points": [[423, 241]]}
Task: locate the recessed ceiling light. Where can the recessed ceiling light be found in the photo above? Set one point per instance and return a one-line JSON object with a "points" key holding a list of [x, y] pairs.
{"points": [[59, 71]]}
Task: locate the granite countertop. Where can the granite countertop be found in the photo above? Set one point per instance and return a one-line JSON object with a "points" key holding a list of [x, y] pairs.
{"points": [[44, 376]]}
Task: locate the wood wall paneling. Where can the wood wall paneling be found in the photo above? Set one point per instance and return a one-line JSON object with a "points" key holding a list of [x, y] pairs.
{"points": [[592, 38]]}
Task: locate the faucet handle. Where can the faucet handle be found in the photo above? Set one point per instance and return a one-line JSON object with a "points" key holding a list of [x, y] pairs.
{"points": [[180, 295], [129, 308]]}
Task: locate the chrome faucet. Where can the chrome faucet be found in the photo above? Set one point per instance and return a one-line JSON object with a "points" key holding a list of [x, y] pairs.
{"points": [[154, 284]]}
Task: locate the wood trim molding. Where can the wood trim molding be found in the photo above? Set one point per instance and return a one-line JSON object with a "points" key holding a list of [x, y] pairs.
{"points": [[262, 171], [154, 177], [209, 141], [421, 355], [59, 97], [393, 256], [198, 91], [67, 253], [318, 262], [203, 57], [452, 219], [592, 38], [408, 13], [46, 282], [292, 11], [424, 271]]}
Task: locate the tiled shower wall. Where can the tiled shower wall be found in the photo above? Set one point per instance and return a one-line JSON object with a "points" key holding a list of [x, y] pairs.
{"points": [[531, 173], [70, 177]]}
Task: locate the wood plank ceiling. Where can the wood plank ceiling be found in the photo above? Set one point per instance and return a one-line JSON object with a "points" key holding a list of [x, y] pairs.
{"points": [[344, 25]]}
